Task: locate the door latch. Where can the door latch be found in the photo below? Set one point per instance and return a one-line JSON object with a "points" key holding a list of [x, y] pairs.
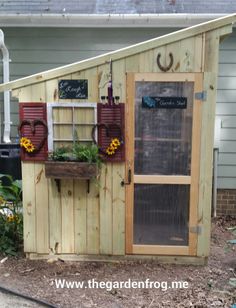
{"points": [[123, 183]]}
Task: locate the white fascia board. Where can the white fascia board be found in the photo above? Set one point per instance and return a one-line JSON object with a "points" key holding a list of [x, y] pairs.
{"points": [[105, 20]]}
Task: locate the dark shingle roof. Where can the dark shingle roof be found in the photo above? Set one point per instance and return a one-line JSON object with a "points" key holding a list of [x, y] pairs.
{"points": [[116, 6]]}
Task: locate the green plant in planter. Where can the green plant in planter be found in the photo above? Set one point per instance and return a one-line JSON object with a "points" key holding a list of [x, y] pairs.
{"points": [[11, 216], [78, 152], [86, 153], [63, 153]]}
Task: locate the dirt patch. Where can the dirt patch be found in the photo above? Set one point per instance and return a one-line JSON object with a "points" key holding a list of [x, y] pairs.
{"points": [[208, 285]]}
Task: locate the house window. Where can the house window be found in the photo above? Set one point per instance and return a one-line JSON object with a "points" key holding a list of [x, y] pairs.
{"points": [[69, 123]]}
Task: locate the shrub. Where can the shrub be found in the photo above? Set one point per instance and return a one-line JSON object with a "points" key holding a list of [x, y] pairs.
{"points": [[11, 216]]}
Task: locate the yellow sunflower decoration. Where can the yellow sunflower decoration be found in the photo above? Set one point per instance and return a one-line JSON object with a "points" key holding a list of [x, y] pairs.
{"points": [[11, 218], [115, 142], [111, 149], [26, 144], [30, 148]]}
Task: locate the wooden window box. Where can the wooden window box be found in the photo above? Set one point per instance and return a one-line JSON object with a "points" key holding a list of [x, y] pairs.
{"points": [[70, 170], [59, 170]]}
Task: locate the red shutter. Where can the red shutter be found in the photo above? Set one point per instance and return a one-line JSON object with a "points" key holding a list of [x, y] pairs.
{"points": [[113, 117], [30, 112]]}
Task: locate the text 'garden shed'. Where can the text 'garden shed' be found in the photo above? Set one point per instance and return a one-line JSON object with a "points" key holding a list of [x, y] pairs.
{"points": [[153, 195]]}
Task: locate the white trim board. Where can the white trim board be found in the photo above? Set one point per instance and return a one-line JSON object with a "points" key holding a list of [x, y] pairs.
{"points": [[180, 20]]}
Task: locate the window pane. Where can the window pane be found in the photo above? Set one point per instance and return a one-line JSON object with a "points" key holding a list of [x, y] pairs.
{"points": [[86, 115], [62, 114], [161, 214], [62, 132], [163, 135]]}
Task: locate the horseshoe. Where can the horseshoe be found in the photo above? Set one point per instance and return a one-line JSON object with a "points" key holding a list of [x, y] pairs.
{"points": [[33, 124], [168, 67]]}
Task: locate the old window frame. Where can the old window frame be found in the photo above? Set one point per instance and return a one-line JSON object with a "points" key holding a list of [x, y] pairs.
{"points": [[73, 106]]}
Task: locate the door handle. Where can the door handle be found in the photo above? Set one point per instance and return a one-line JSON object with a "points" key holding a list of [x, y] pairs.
{"points": [[123, 183]]}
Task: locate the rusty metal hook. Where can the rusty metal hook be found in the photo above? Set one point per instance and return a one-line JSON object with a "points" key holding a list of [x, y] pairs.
{"points": [[168, 67]]}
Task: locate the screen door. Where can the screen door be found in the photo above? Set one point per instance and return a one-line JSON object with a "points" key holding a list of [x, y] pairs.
{"points": [[163, 144]]}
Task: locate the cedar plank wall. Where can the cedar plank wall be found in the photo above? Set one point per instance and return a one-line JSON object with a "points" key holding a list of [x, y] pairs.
{"points": [[94, 223]]}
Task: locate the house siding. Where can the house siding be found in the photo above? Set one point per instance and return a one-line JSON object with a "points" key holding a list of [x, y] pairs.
{"points": [[226, 112], [39, 49]]}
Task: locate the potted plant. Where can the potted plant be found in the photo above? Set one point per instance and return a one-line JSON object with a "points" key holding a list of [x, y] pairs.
{"points": [[76, 162]]}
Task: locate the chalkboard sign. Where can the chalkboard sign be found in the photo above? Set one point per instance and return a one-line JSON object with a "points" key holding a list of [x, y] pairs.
{"points": [[164, 102], [73, 89]]}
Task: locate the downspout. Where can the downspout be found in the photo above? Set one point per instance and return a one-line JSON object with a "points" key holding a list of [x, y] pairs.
{"points": [[218, 125], [7, 119], [215, 174]]}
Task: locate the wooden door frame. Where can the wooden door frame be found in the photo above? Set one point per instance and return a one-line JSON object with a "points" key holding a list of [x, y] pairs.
{"points": [[192, 180]]}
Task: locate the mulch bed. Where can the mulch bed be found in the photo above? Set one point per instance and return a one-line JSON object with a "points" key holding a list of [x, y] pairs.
{"points": [[208, 285]]}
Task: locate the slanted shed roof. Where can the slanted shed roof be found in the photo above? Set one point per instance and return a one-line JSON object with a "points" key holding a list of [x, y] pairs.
{"points": [[119, 54], [116, 7]]}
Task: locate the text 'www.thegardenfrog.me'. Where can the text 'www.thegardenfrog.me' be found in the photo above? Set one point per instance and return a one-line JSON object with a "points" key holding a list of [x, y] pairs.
{"points": [[127, 284]]}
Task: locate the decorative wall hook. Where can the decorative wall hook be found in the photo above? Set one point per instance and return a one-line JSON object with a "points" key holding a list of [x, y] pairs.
{"points": [[168, 67]]}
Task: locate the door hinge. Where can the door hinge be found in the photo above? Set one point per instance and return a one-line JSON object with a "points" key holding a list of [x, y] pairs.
{"points": [[201, 96], [196, 229]]}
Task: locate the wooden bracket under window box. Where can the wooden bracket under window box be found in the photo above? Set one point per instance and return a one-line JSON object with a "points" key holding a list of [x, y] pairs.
{"points": [[70, 170]]}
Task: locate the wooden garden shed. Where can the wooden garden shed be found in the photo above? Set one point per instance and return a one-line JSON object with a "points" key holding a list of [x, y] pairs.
{"points": [[154, 197]]}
